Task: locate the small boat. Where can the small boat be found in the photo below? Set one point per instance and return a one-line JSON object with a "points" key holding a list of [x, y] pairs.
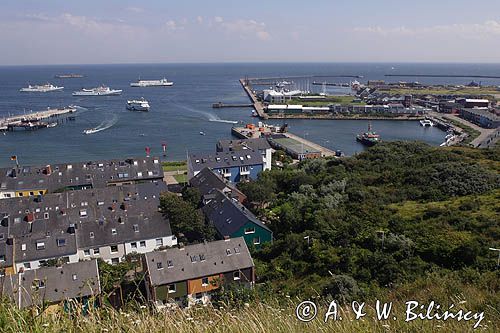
{"points": [[426, 123], [138, 105], [254, 113], [68, 76], [90, 131], [50, 125], [202, 133], [368, 138]]}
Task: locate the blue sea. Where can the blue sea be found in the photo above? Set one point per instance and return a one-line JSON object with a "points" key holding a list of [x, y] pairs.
{"points": [[179, 113]]}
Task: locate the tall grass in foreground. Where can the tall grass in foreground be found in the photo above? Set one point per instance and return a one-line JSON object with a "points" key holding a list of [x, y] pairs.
{"points": [[258, 317]]}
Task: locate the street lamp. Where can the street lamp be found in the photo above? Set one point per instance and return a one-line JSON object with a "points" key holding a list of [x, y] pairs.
{"points": [[498, 250]]}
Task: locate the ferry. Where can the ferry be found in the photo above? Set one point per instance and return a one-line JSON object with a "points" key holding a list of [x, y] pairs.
{"points": [[99, 91], [152, 83], [41, 88], [368, 138], [426, 123], [138, 105]]}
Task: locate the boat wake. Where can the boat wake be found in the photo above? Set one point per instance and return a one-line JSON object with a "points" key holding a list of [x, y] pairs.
{"points": [[102, 126], [224, 121], [211, 117]]}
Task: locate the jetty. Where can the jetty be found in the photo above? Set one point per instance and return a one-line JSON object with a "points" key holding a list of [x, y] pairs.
{"points": [[257, 105], [220, 105], [35, 120]]}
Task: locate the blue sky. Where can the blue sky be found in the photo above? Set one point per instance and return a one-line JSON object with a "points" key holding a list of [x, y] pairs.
{"points": [[112, 31]]}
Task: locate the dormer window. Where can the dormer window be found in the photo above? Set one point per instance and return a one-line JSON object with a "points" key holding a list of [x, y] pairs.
{"points": [[159, 265], [228, 252], [91, 234], [61, 242], [194, 259], [136, 228], [40, 245], [70, 167], [83, 213], [113, 231], [170, 263]]}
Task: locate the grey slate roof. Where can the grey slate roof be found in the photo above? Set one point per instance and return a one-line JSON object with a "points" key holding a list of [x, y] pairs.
{"points": [[94, 173], [220, 160], [242, 144], [216, 261], [95, 210], [52, 284], [227, 215], [207, 180]]}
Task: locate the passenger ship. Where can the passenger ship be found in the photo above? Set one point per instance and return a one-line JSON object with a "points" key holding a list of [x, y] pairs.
{"points": [[152, 83]]}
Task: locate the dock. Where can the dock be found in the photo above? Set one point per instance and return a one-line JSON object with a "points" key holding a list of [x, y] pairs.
{"points": [[219, 105], [257, 105], [279, 138], [35, 120]]}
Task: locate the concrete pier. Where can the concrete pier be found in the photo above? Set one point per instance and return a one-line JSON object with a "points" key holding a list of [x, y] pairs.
{"points": [[259, 108], [34, 118]]}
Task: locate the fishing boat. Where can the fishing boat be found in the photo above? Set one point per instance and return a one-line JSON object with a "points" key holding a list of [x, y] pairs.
{"points": [[426, 123], [90, 131], [368, 138], [138, 105]]}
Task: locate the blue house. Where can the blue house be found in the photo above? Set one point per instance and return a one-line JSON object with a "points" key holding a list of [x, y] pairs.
{"points": [[235, 166]]}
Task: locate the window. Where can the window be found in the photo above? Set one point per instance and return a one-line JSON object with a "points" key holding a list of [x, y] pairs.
{"points": [[114, 248], [256, 241], [40, 245], [46, 216], [74, 277], [202, 257], [170, 263], [139, 174], [23, 247], [100, 203], [84, 203], [2, 257], [115, 261], [37, 284], [194, 259], [159, 265], [133, 245], [86, 253], [249, 231], [171, 288], [83, 213], [61, 242], [142, 243], [236, 250], [228, 252], [27, 265], [236, 275], [91, 234], [204, 281], [96, 251], [199, 296], [17, 219], [136, 228], [113, 231], [159, 242]]}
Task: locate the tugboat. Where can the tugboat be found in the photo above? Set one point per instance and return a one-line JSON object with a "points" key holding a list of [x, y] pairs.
{"points": [[368, 138]]}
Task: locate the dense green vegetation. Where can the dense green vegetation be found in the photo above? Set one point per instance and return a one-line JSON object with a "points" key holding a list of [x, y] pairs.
{"points": [[352, 227]]}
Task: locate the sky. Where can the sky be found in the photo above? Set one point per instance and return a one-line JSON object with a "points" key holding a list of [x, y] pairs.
{"points": [[170, 31]]}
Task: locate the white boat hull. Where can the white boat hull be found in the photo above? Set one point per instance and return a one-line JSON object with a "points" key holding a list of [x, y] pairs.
{"points": [[92, 93]]}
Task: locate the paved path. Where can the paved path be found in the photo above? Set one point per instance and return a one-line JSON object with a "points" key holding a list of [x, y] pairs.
{"points": [[168, 177], [486, 133]]}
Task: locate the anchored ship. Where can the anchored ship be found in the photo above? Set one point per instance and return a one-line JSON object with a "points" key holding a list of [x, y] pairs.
{"points": [[152, 83], [426, 122], [368, 138], [138, 105], [41, 88], [68, 76], [99, 91]]}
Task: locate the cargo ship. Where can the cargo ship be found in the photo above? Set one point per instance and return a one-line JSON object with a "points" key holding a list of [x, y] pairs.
{"points": [[368, 138]]}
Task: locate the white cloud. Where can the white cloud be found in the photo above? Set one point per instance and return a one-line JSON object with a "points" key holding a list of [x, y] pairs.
{"points": [[246, 29], [218, 19], [135, 9], [471, 31], [199, 19], [172, 25]]}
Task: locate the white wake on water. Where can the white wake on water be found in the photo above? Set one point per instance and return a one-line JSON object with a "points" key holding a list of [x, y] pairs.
{"points": [[103, 126], [210, 116]]}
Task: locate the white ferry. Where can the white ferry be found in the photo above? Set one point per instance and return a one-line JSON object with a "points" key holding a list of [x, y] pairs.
{"points": [[41, 88], [426, 122], [138, 105], [152, 83], [99, 91]]}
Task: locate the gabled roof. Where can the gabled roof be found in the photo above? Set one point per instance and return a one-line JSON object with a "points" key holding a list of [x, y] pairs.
{"points": [[198, 260], [221, 160], [207, 180], [113, 214], [52, 284], [94, 173], [228, 215]]}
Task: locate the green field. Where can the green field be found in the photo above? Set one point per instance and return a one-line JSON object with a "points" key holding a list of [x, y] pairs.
{"points": [[487, 91], [174, 166], [343, 100], [182, 178]]}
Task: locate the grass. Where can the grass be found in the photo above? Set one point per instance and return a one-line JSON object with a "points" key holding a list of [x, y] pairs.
{"points": [[486, 91], [174, 166], [344, 100], [181, 178]]}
